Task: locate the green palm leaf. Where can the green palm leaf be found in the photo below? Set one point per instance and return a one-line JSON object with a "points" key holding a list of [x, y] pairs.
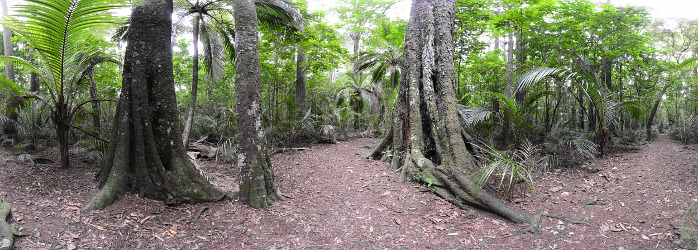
{"points": [[57, 29]]}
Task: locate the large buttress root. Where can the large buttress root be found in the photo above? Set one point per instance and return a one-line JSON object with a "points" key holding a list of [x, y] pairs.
{"points": [[427, 142], [145, 154]]}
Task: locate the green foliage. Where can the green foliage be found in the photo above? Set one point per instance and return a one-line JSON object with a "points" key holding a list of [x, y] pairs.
{"points": [[510, 167]]}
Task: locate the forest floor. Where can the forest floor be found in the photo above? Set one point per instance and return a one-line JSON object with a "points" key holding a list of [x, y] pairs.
{"points": [[340, 200]]}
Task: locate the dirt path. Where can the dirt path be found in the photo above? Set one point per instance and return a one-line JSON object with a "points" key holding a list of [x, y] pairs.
{"points": [[342, 201]]}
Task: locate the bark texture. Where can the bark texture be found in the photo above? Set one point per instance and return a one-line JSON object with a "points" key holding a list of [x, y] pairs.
{"points": [[301, 58], [7, 44], [427, 140], [145, 151], [256, 176], [9, 127], [7, 233]]}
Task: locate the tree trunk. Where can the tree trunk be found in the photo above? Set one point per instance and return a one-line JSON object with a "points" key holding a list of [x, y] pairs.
{"points": [[301, 57], [194, 85], [650, 120], [256, 175], [608, 71], [145, 150], [61, 121], [426, 139], [95, 103], [9, 128], [580, 94], [7, 44]]}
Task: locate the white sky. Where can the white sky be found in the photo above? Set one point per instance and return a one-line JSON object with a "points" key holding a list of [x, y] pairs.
{"points": [[664, 9]]}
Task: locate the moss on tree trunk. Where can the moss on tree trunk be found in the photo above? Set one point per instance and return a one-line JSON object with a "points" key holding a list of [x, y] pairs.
{"points": [[7, 233], [427, 140], [145, 151]]}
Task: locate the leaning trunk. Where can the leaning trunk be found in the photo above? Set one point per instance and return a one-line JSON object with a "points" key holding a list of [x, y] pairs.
{"points": [[95, 103], [256, 176], [194, 85], [427, 140], [145, 154], [650, 120]]}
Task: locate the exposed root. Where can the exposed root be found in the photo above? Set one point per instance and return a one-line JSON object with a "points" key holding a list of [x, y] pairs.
{"points": [[534, 224], [380, 149], [584, 221], [198, 214]]}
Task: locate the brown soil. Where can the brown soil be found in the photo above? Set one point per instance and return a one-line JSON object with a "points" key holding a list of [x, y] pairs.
{"points": [[340, 200]]}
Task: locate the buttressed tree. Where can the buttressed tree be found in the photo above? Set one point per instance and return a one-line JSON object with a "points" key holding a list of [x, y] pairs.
{"points": [[256, 177], [145, 151], [427, 139]]}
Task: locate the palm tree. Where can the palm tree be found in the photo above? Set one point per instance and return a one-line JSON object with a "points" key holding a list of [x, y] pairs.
{"points": [[382, 64], [213, 25], [359, 93], [602, 107], [57, 31]]}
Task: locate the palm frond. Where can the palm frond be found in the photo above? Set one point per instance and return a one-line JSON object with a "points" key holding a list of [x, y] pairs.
{"points": [[279, 14], [688, 64], [57, 29], [584, 147], [536, 75], [473, 116]]}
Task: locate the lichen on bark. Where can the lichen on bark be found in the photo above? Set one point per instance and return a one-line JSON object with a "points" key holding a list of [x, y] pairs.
{"points": [[256, 174]]}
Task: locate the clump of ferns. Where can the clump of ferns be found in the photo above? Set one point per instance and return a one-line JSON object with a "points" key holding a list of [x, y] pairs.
{"points": [[508, 168]]}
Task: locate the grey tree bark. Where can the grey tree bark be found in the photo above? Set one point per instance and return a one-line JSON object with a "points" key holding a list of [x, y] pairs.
{"points": [[427, 140], [301, 58], [194, 84], [256, 174], [9, 127], [7, 44], [145, 151], [95, 104]]}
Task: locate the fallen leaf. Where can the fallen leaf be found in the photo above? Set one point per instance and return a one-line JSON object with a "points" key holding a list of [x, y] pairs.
{"points": [[453, 234], [397, 221], [645, 237]]}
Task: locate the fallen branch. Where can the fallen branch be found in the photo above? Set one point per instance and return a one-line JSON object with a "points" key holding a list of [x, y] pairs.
{"points": [[284, 150]]}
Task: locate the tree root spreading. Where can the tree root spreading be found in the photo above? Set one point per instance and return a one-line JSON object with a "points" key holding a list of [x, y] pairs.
{"points": [[534, 225]]}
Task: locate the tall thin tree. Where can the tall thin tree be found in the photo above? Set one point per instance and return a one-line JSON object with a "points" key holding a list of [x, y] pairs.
{"points": [[256, 174]]}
